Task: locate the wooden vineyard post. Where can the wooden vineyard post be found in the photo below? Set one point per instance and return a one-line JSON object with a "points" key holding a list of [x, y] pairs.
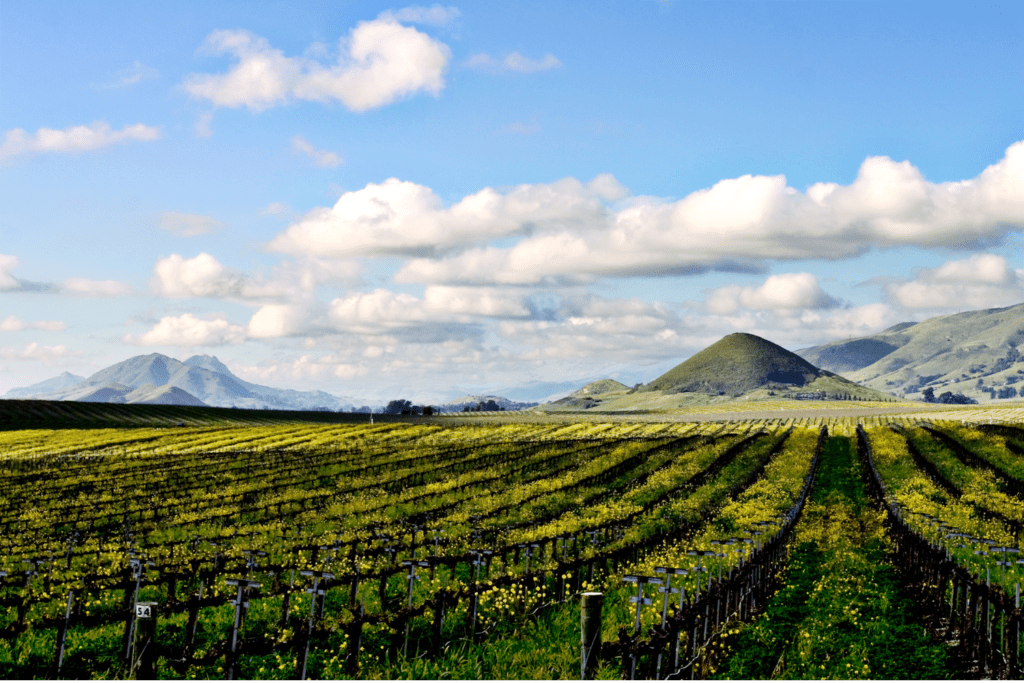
{"points": [[146, 648], [241, 603], [590, 634]]}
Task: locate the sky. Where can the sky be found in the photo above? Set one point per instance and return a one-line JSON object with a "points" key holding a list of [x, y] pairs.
{"points": [[424, 201]]}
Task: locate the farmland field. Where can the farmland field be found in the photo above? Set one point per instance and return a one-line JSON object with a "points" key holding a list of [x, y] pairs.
{"points": [[875, 545]]}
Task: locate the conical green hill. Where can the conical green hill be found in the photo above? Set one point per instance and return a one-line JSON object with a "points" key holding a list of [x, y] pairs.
{"points": [[735, 365]]}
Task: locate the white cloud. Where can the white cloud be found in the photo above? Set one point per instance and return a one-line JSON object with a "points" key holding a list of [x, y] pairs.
{"points": [[513, 62], [14, 324], [50, 355], [200, 276], [7, 265], [380, 62], [322, 158], [188, 330], [400, 218], [785, 291], [738, 224], [474, 301], [75, 139], [525, 65], [188, 224], [100, 289], [981, 281], [280, 320], [435, 15], [133, 75], [203, 276]]}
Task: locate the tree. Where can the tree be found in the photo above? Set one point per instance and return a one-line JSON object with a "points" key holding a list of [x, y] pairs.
{"points": [[397, 406], [929, 395]]}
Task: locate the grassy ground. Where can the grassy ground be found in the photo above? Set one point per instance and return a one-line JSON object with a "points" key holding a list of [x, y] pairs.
{"points": [[840, 613]]}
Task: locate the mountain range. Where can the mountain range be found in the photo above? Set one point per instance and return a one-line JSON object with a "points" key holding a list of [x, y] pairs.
{"points": [[156, 378], [977, 353]]}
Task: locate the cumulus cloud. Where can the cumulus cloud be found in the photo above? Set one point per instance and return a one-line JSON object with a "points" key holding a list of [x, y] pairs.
{"points": [[739, 224], [188, 330], [19, 143], [380, 61], [13, 324], [281, 320], [200, 276], [514, 62], [97, 289], [402, 218], [320, 157], [188, 224], [793, 291], [203, 276], [980, 281]]}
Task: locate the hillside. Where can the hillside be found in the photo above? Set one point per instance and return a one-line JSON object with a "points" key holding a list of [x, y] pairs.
{"points": [[735, 365], [973, 353], [738, 367], [590, 396]]}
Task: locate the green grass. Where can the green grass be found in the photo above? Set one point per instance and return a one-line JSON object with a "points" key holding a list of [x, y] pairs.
{"points": [[840, 613]]}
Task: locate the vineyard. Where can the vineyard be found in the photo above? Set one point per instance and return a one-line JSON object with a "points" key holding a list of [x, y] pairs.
{"points": [[846, 547]]}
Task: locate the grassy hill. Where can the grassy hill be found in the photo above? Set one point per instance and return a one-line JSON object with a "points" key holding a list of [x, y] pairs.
{"points": [[735, 365], [738, 367], [590, 396], [977, 353]]}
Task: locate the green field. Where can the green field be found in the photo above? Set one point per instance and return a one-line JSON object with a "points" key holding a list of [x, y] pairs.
{"points": [[823, 550]]}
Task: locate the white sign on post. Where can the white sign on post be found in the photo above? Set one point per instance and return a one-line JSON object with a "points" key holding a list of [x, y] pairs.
{"points": [[144, 611]]}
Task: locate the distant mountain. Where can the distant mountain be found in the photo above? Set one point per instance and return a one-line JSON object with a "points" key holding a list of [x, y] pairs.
{"points": [[201, 380], [65, 380], [978, 353]]}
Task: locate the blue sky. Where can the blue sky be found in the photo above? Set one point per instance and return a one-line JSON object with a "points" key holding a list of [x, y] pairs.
{"points": [[375, 199]]}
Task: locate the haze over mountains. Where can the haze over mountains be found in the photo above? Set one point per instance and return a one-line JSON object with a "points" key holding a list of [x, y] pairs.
{"points": [[156, 378], [977, 353]]}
